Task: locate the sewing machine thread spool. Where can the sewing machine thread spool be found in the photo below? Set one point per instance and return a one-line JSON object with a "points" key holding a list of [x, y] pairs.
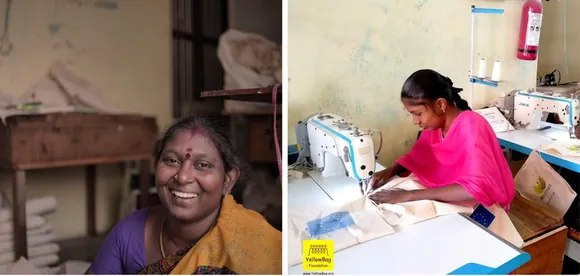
{"points": [[482, 68], [496, 73]]}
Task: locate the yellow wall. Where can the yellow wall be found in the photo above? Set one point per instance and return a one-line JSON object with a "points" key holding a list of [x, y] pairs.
{"points": [[124, 47], [552, 39], [352, 57]]}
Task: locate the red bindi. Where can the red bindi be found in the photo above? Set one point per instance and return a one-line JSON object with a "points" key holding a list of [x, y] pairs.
{"points": [[187, 156]]}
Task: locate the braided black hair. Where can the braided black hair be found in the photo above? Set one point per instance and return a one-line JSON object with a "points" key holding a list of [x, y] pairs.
{"points": [[428, 85]]}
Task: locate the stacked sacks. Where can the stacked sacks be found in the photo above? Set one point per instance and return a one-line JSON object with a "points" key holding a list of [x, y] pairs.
{"points": [[42, 248]]}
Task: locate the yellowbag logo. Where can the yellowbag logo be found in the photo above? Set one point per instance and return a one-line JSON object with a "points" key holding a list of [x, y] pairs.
{"points": [[318, 255], [540, 186]]}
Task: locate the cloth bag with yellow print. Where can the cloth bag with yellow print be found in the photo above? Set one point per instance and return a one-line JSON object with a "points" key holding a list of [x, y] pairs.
{"points": [[540, 183]]}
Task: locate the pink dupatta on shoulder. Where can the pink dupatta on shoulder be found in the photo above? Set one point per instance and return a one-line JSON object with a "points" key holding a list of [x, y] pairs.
{"points": [[470, 155]]}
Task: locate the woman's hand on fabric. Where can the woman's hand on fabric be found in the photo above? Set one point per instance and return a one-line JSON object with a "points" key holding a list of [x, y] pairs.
{"points": [[392, 196], [380, 178]]}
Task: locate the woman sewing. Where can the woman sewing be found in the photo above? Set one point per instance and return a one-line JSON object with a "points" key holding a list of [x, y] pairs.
{"points": [[199, 228], [457, 156]]}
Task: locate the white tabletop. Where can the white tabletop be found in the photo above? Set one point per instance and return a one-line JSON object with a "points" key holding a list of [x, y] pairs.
{"points": [[437, 246], [305, 191], [525, 141], [340, 188]]}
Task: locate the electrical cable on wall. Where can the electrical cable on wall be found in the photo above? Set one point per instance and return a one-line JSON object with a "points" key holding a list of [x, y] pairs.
{"points": [[276, 142], [550, 79], [566, 43], [6, 46]]}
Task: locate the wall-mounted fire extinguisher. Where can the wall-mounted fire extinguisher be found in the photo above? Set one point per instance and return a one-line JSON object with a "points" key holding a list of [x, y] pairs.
{"points": [[530, 27]]}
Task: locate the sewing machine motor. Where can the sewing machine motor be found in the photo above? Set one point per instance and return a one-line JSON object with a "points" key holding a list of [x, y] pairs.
{"points": [[336, 146]]}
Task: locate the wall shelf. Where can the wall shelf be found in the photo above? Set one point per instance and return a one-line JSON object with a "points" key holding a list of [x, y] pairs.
{"points": [[484, 81], [472, 79], [485, 10]]}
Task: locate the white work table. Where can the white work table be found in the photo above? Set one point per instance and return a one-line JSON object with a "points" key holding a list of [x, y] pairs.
{"points": [[452, 244], [524, 141]]}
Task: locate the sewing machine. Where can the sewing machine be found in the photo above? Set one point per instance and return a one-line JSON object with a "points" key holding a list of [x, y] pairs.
{"points": [[553, 105], [336, 146]]}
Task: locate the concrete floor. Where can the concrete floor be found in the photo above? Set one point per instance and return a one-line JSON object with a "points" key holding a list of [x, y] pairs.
{"points": [[570, 267]]}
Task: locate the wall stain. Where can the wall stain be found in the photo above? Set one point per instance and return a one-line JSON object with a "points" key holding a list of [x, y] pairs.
{"points": [[101, 4], [420, 4], [54, 28], [363, 65], [107, 5], [363, 49], [334, 103], [79, 3]]}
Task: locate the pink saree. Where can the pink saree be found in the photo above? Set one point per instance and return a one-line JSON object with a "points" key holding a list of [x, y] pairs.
{"points": [[470, 155]]}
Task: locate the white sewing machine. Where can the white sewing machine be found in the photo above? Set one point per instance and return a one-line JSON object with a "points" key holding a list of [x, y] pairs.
{"points": [[336, 147], [553, 105]]}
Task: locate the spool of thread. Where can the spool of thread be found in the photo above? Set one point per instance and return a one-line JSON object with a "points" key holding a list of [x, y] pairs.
{"points": [[482, 68], [496, 73]]}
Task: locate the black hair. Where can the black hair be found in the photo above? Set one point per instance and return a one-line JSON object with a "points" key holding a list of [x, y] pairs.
{"points": [[217, 134], [428, 85]]}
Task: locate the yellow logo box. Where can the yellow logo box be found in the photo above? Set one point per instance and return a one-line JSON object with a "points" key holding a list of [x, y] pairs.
{"points": [[318, 255]]}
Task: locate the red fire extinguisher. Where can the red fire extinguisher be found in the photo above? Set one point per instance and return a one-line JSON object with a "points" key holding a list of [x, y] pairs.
{"points": [[530, 26]]}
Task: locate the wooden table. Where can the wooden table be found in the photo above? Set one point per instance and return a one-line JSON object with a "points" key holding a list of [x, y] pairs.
{"points": [[544, 236], [29, 142]]}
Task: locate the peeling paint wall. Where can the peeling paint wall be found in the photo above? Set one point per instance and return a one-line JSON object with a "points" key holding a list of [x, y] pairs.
{"points": [[124, 48], [352, 57]]}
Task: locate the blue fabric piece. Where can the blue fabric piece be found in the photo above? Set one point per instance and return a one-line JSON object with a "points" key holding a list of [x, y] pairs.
{"points": [[482, 216], [330, 223]]}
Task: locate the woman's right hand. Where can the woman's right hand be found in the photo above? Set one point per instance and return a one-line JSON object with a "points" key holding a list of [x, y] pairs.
{"points": [[381, 177]]}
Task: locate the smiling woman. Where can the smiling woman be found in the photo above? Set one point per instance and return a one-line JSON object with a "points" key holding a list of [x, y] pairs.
{"points": [[199, 228]]}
